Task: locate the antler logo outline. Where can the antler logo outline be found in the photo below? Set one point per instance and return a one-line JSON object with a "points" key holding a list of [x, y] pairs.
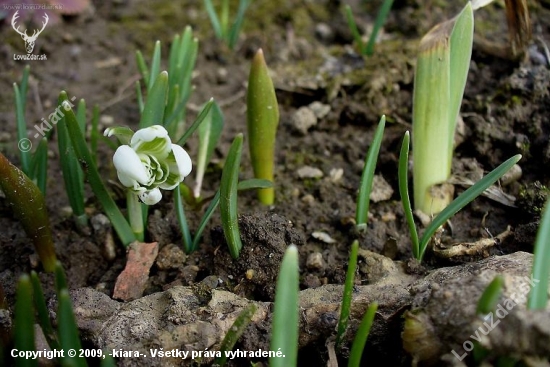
{"points": [[29, 40]]}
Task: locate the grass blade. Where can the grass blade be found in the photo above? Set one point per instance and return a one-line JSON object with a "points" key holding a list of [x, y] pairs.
{"points": [[363, 199], [213, 18], [29, 206], [95, 135], [182, 220], [284, 333], [68, 331], [361, 337], [228, 197], [464, 199], [24, 154], [233, 35], [378, 23], [235, 331], [43, 313], [153, 111], [142, 67], [155, 67], [538, 296], [348, 290], [354, 30], [39, 164], [200, 118], [72, 173], [120, 224], [209, 134], [24, 322], [403, 173]]}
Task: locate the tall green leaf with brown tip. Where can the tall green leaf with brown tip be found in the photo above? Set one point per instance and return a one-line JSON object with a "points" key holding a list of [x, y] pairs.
{"points": [[262, 120], [439, 81], [28, 205]]}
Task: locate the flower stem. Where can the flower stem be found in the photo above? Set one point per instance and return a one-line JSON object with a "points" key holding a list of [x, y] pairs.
{"points": [[134, 214]]}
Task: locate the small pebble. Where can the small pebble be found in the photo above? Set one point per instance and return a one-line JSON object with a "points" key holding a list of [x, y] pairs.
{"points": [[324, 32], [309, 172], [322, 236], [106, 120], [308, 199], [303, 119], [511, 176], [319, 109], [5, 137], [381, 190], [170, 257], [315, 261], [336, 174]]}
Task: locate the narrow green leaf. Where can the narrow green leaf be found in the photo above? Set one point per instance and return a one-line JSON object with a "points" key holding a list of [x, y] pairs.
{"points": [[81, 115], [39, 164], [88, 165], [29, 207], [403, 173], [24, 322], [464, 199], [95, 135], [199, 120], [182, 220], [139, 97], [242, 185], [228, 197], [538, 296], [347, 296], [155, 66], [108, 360], [24, 154], [24, 86], [233, 36], [68, 331], [284, 334], [235, 331], [70, 167], [262, 119], [213, 18], [43, 313], [354, 30], [378, 23], [361, 337], [224, 18], [209, 134], [60, 278], [142, 67], [489, 299], [363, 199], [153, 111]]}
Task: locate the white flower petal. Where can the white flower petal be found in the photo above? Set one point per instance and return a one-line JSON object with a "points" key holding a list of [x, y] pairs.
{"points": [[129, 166], [152, 140], [151, 197], [183, 161]]}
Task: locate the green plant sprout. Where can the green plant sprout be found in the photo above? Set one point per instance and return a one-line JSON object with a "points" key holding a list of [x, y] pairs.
{"points": [[361, 337], [262, 118], [65, 338], [173, 90], [29, 206], [229, 35], [284, 332], [367, 48], [34, 165], [209, 134], [538, 296], [487, 303], [440, 78], [235, 331], [228, 197], [419, 246], [72, 172], [348, 290], [363, 199]]}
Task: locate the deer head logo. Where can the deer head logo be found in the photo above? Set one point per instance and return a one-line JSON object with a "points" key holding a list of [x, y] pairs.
{"points": [[29, 40]]}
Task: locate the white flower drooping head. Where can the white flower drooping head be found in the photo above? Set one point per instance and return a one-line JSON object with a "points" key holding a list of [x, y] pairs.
{"points": [[148, 161]]}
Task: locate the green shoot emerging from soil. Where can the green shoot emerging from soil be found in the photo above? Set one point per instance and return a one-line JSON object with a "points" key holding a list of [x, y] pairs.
{"points": [[538, 297], [367, 48], [262, 117], [439, 81], [363, 199], [286, 322], [419, 246], [229, 35]]}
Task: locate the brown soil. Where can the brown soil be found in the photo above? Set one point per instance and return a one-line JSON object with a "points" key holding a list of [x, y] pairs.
{"points": [[91, 56]]}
